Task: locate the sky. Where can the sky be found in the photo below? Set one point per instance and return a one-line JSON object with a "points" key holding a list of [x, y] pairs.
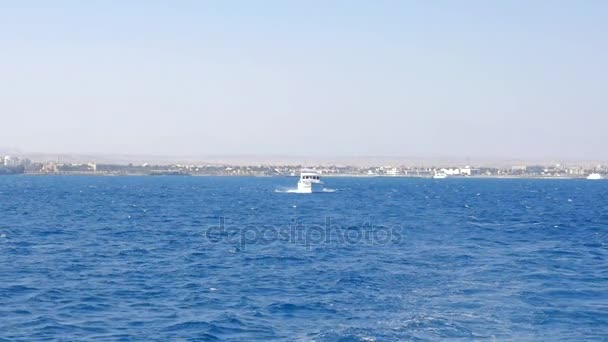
{"points": [[470, 79]]}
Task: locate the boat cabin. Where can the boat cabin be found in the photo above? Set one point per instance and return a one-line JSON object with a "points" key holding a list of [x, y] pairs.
{"points": [[310, 176]]}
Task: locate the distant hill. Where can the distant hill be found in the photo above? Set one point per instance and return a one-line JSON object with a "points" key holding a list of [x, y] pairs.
{"points": [[7, 151]]}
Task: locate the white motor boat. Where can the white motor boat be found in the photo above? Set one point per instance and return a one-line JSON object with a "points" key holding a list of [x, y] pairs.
{"points": [[310, 182], [594, 176]]}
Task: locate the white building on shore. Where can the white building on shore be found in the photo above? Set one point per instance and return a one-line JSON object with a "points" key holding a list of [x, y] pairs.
{"points": [[11, 161], [466, 171]]}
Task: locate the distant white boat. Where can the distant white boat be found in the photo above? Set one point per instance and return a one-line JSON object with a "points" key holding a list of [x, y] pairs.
{"points": [[594, 176], [310, 182], [440, 175]]}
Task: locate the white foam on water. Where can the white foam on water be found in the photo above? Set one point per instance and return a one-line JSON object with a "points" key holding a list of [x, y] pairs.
{"points": [[296, 191]]}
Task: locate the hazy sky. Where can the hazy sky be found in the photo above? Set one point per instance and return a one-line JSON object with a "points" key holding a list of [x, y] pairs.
{"points": [[327, 78]]}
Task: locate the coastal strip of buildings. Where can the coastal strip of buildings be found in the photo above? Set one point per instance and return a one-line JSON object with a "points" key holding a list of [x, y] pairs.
{"points": [[22, 165]]}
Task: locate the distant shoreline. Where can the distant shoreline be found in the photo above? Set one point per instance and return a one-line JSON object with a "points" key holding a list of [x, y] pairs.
{"points": [[102, 174]]}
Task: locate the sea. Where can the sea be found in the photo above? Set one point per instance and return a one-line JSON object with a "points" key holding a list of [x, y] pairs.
{"points": [[175, 258]]}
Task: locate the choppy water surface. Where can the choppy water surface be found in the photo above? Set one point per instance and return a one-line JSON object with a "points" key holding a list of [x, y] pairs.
{"points": [[162, 258]]}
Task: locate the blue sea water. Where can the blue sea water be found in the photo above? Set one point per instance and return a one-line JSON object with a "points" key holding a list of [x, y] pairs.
{"points": [[379, 259]]}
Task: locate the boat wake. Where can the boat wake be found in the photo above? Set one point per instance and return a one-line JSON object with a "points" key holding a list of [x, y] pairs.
{"points": [[297, 191]]}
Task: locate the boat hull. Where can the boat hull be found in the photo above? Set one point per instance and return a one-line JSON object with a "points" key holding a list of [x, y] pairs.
{"points": [[310, 187]]}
